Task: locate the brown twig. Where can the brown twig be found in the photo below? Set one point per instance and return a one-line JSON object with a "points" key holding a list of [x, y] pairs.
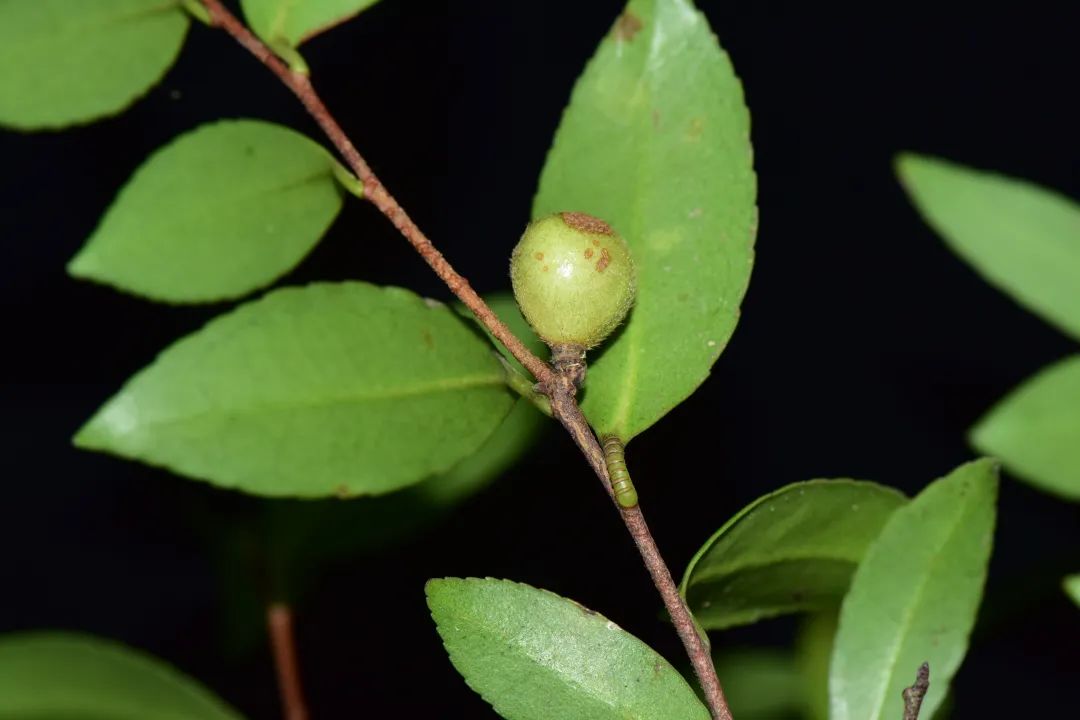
{"points": [[374, 190], [558, 387], [913, 696], [564, 406], [283, 644]]}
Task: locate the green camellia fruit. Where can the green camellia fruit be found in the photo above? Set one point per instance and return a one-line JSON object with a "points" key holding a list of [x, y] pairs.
{"points": [[573, 279]]}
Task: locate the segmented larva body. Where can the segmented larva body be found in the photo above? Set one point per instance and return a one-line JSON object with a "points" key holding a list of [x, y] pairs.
{"points": [[621, 484]]}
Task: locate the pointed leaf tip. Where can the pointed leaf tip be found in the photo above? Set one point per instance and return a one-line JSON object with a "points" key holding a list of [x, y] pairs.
{"points": [[914, 596], [535, 656], [1034, 428], [1022, 238], [220, 211]]}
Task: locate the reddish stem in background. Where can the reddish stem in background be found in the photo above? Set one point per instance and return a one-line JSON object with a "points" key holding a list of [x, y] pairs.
{"points": [[279, 622], [558, 387]]}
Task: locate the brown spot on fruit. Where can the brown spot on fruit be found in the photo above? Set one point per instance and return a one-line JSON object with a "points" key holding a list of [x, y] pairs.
{"points": [[596, 242], [539, 256], [544, 268], [586, 223], [429, 341], [627, 26], [588, 253], [604, 261]]}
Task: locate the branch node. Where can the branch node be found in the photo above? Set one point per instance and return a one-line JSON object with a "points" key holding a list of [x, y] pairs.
{"points": [[913, 696], [569, 360]]}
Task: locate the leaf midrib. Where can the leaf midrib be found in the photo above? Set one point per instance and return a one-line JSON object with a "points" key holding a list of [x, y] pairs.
{"points": [[620, 417], [225, 200], [570, 681], [396, 393], [909, 613]]}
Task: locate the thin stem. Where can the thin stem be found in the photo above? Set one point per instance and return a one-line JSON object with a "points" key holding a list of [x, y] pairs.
{"points": [[559, 387], [566, 410], [913, 696], [279, 622], [374, 191]]}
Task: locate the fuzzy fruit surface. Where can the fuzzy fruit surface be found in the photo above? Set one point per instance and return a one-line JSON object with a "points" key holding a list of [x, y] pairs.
{"points": [[573, 278]]}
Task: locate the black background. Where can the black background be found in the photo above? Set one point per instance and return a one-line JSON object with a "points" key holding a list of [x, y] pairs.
{"points": [[865, 348]]}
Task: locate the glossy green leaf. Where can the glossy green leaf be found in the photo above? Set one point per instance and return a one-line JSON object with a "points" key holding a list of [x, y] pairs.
{"points": [[1035, 429], [760, 684], [346, 389], [914, 597], [536, 656], [792, 550], [294, 21], [50, 675], [1022, 238], [1072, 588], [64, 62], [221, 211], [656, 141]]}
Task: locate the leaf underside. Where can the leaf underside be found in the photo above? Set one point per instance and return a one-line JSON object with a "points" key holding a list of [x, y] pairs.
{"points": [[793, 550]]}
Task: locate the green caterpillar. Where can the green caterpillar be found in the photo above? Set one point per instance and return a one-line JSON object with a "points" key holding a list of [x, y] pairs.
{"points": [[621, 484]]}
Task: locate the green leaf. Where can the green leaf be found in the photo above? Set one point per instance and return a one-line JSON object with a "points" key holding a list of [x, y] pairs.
{"points": [[221, 211], [760, 684], [52, 675], [1072, 588], [792, 550], [656, 141], [64, 62], [295, 21], [1034, 430], [346, 389], [1022, 238], [813, 649], [915, 596], [536, 656]]}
